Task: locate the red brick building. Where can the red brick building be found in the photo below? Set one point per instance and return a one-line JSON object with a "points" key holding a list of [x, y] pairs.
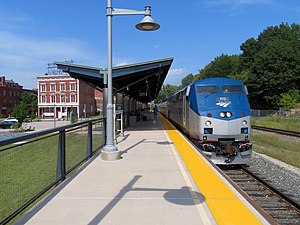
{"points": [[99, 101], [61, 95], [9, 95]]}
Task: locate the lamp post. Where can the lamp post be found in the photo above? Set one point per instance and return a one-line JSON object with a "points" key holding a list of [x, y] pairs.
{"points": [[110, 151]]}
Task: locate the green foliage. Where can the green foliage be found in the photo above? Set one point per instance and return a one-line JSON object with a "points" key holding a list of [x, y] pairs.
{"points": [[273, 64], [30, 100], [290, 99], [20, 112], [190, 78], [166, 91], [221, 66], [27, 106], [269, 65]]}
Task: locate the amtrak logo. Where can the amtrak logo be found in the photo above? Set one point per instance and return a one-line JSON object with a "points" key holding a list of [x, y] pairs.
{"points": [[223, 102]]}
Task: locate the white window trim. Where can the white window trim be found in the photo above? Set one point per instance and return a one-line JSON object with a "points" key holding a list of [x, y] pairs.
{"points": [[43, 96], [62, 84], [75, 98], [61, 97], [43, 85], [73, 83], [51, 85], [51, 99]]}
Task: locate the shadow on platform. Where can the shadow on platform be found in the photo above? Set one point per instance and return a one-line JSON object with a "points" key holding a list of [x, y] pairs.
{"points": [[181, 196]]}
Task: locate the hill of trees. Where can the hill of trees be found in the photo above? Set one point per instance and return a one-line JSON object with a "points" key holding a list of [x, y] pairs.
{"points": [[269, 65]]}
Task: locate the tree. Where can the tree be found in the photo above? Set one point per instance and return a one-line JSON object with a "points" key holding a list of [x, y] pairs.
{"points": [[221, 66], [20, 112], [290, 99], [31, 102], [27, 106], [190, 78], [166, 91], [272, 62]]}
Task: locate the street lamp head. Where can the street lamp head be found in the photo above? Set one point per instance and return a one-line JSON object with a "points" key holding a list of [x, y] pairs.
{"points": [[147, 24]]}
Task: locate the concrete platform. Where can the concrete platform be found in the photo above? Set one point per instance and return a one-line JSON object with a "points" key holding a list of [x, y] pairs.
{"points": [[149, 185]]}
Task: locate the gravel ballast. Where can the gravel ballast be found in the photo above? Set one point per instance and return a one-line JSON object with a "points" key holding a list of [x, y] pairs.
{"points": [[280, 175]]}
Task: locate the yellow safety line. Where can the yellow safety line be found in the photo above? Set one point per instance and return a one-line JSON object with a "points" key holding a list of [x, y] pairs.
{"points": [[200, 208], [225, 206]]}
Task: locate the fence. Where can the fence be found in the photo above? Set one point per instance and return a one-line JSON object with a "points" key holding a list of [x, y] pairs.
{"points": [[33, 164], [280, 113]]}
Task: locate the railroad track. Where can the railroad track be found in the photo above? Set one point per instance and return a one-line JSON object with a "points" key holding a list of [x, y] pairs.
{"points": [[278, 206], [277, 131]]}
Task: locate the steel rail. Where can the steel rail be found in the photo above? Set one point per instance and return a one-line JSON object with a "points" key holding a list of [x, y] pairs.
{"points": [[277, 131], [271, 200]]}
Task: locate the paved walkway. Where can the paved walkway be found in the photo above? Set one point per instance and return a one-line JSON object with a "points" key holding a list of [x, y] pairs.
{"points": [[149, 186]]}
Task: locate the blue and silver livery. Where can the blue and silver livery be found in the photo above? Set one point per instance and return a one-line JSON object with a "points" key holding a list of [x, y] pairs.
{"points": [[215, 114]]}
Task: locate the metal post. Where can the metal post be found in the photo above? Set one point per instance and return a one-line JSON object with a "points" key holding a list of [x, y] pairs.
{"points": [[54, 113], [104, 94], [61, 157], [110, 151], [89, 146]]}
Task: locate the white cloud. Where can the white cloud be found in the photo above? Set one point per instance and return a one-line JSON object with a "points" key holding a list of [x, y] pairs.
{"points": [[175, 75], [218, 3], [122, 63], [22, 58], [235, 5], [176, 71]]}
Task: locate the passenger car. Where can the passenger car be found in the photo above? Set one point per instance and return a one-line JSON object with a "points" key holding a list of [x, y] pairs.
{"points": [[13, 119], [7, 124]]}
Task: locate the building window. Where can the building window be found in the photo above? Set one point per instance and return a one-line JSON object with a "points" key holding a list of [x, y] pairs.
{"points": [[43, 98], [63, 99], [10, 93], [43, 87], [52, 98], [4, 92], [52, 87], [73, 86], [73, 98], [63, 87]]}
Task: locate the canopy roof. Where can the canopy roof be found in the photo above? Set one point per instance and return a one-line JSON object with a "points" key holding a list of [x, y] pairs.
{"points": [[140, 81]]}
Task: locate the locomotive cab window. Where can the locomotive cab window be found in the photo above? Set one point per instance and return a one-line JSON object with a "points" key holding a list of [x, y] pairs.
{"points": [[208, 90], [232, 89]]}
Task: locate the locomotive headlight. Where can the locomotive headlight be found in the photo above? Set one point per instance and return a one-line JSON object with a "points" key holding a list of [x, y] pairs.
{"points": [[222, 114], [244, 122], [207, 123], [228, 114]]}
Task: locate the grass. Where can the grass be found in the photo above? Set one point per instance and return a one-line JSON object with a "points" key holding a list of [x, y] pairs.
{"points": [[278, 147], [283, 123], [26, 170]]}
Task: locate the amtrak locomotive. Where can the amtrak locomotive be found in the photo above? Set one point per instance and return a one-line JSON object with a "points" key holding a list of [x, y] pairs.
{"points": [[215, 114]]}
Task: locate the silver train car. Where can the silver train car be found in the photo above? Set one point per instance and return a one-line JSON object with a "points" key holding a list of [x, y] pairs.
{"points": [[215, 114]]}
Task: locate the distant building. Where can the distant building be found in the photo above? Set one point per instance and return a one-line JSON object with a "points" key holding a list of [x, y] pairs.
{"points": [[10, 92], [99, 101], [60, 95]]}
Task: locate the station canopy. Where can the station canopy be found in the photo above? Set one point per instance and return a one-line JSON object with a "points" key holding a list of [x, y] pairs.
{"points": [[140, 81]]}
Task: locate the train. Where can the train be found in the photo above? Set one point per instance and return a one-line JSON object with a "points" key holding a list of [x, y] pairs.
{"points": [[215, 114]]}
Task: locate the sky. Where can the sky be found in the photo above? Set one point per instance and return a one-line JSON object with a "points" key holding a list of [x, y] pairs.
{"points": [[34, 33]]}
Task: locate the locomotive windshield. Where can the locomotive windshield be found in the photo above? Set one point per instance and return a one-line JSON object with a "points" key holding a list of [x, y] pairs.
{"points": [[232, 89], [208, 89]]}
